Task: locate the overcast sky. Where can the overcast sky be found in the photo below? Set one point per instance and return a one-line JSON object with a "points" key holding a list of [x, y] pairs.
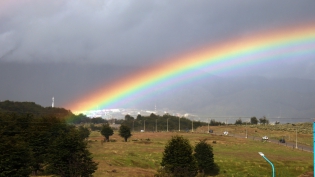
{"points": [[137, 33]]}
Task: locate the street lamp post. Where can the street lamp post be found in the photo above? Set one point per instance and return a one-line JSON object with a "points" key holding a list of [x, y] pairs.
{"points": [[192, 125], [167, 124], [273, 168], [208, 125], [296, 139], [246, 130], [144, 126]]}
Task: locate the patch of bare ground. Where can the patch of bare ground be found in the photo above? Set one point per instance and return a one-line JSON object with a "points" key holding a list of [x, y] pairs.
{"points": [[307, 174], [126, 171]]}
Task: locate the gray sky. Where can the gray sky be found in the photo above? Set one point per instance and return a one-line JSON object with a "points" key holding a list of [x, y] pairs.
{"points": [[131, 34]]}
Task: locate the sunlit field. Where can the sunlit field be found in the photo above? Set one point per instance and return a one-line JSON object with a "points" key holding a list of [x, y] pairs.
{"points": [[236, 156]]}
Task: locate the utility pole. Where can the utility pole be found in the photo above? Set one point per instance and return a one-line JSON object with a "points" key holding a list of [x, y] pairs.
{"points": [[246, 130], [179, 124], [144, 126], [167, 124], [296, 139], [208, 125], [192, 125]]}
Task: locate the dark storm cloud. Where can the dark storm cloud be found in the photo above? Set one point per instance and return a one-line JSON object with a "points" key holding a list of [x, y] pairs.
{"points": [[132, 32], [68, 48]]}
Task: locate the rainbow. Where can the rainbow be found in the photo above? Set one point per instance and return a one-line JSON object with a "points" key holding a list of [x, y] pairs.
{"points": [[280, 44]]}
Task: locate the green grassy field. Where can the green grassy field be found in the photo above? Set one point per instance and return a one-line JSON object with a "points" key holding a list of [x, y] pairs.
{"points": [[235, 156]]}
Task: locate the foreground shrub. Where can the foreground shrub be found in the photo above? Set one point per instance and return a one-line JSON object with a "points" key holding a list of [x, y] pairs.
{"points": [[178, 159], [205, 159]]}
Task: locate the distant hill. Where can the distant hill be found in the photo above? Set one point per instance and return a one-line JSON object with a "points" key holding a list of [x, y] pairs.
{"points": [[32, 108]]}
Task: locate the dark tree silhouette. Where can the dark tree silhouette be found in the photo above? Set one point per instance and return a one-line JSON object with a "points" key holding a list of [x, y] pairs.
{"points": [[107, 131], [124, 131], [205, 158], [178, 159]]}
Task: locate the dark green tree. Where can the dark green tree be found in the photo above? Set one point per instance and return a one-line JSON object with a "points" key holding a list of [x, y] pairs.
{"points": [[30, 142], [69, 157], [264, 121], [107, 131], [239, 122], [178, 159], [205, 159], [15, 153], [98, 120], [42, 134], [124, 131], [84, 132], [253, 120], [15, 157], [129, 117]]}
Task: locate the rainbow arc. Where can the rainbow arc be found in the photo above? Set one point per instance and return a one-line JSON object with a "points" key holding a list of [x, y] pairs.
{"points": [[278, 45]]}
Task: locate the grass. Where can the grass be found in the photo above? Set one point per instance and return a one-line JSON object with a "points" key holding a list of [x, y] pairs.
{"points": [[235, 156], [288, 131]]}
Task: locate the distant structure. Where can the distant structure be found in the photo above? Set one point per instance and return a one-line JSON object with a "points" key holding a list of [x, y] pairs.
{"points": [[53, 102]]}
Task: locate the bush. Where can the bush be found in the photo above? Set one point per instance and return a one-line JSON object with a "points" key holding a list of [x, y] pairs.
{"points": [[178, 159], [205, 160], [124, 131]]}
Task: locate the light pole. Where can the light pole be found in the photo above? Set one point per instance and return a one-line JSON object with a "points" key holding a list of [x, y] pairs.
{"points": [[273, 168], [167, 124], [208, 125], [296, 139], [246, 130], [192, 125], [144, 126]]}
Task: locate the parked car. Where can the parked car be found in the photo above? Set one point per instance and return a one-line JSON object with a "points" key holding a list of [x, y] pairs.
{"points": [[265, 138], [282, 140]]}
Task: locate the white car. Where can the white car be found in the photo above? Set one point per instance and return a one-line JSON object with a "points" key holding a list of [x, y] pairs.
{"points": [[265, 138]]}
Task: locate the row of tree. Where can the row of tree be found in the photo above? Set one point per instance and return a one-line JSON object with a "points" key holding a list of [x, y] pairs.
{"points": [[33, 144], [166, 122], [124, 132], [253, 121]]}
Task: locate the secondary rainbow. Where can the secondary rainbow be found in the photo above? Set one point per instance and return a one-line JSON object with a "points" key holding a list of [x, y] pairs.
{"points": [[274, 45]]}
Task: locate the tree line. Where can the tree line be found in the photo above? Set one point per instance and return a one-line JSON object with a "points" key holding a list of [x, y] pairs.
{"points": [[254, 121]]}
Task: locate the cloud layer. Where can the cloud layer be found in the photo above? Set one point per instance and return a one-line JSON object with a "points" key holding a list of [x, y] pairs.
{"points": [[132, 32]]}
